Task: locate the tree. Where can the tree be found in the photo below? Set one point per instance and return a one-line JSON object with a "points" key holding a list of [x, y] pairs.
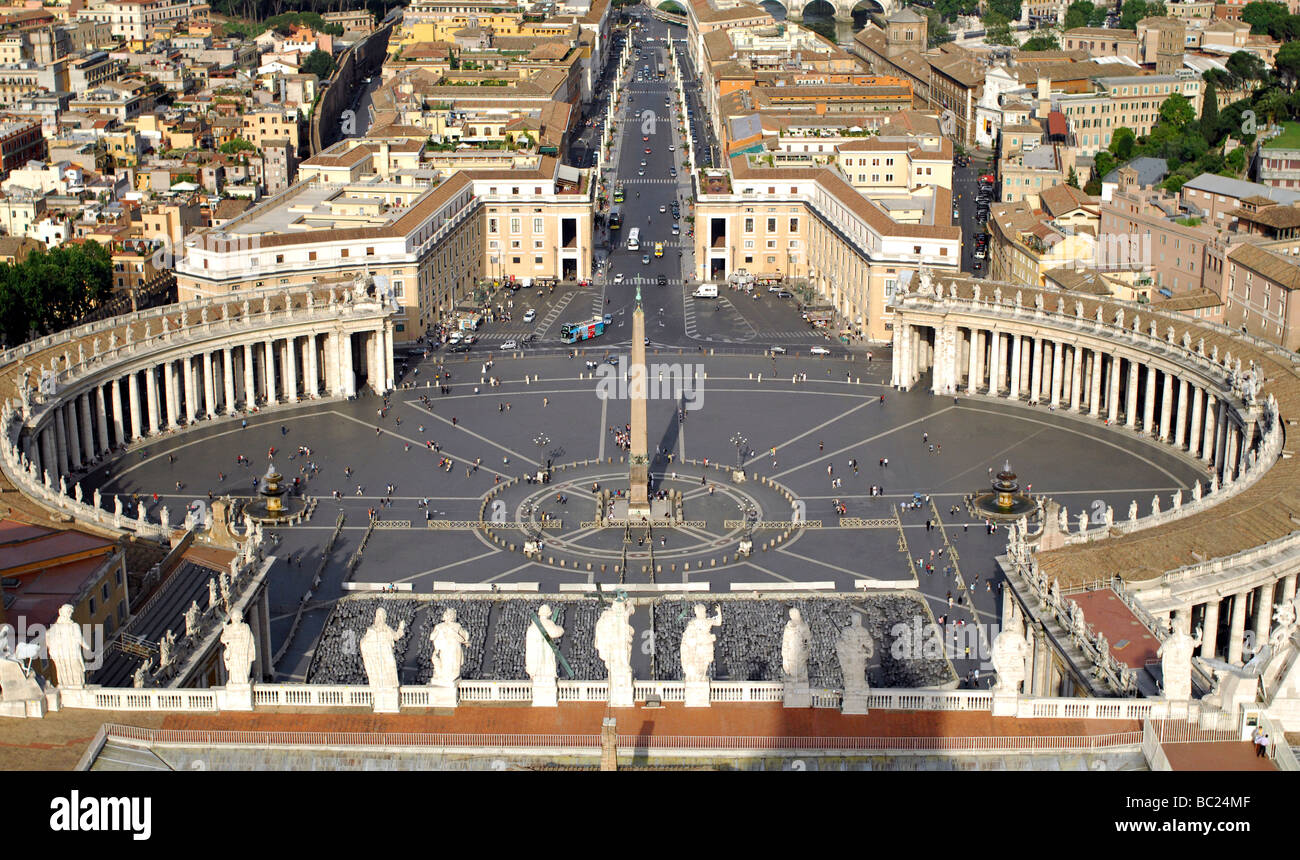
{"points": [[1045, 42], [997, 29], [237, 145], [1210, 111], [1136, 10], [1122, 142], [1008, 9], [1246, 67], [1103, 162], [1073, 179], [52, 290], [1272, 105], [1288, 63], [1263, 17], [1177, 111], [1083, 13], [318, 63], [1236, 160]]}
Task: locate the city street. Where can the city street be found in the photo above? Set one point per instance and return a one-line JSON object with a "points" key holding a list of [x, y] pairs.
{"points": [[965, 182]]}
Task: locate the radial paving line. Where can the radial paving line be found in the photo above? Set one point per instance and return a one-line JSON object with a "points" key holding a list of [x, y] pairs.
{"points": [[865, 441], [420, 445], [462, 428], [961, 580]]}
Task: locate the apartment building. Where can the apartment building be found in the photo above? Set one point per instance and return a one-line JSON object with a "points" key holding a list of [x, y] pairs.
{"points": [[1131, 101], [1103, 42], [808, 223], [1259, 293], [140, 20], [20, 142], [1214, 198]]}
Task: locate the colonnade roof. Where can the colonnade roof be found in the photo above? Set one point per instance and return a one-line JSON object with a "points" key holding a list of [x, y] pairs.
{"points": [[1267, 510]]}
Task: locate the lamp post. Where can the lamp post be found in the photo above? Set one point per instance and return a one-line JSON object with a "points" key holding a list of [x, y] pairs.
{"points": [[741, 443]]}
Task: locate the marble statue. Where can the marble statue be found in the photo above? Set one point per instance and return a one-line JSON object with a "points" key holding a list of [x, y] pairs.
{"points": [[137, 680], [1178, 499], [66, 646], [1175, 655], [613, 641], [112, 340], [166, 326], [697, 644], [63, 485], [1019, 298], [1083, 522], [997, 295], [854, 648], [976, 294], [539, 656], [1063, 519], [1285, 615], [223, 582], [1099, 316], [1038, 301], [76, 492], [377, 655], [1078, 625], [1078, 308], [1155, 505], [139, 513], [1133, 511], [203, 315], [117, 508], [927, 283], [164, 517], [1110, 516], [212, 592], [795, 642], [1196, 491], [245, 309], [1010, 653], [266, 304], [192, 619], [241, 649], [98, 498], [1060, 306], [165, 649], [1187, 340], [45, 479], [449, 641]]}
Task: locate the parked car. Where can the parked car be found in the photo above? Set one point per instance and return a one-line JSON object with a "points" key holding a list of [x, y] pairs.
{"points": [[510, 344], [819, 350], [777, 350], [784, 294], [459, 347]]}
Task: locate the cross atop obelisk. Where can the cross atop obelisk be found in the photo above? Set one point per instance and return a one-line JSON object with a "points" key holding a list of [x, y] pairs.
{"points": [[638, 499]]}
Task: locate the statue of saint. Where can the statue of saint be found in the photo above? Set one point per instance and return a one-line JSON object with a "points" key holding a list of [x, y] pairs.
{"points": [[377, 651], [1010, 652], [854, 648], [449, 641], [1175, 655], [613, 641], [192, 619], [795, 640], [241, 650], [697, 644], [539, 656], [67, 647], [137, 680]]}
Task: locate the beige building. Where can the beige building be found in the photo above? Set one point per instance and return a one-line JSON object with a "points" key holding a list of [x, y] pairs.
{"points": [[1259, 295], [1103, 42]]}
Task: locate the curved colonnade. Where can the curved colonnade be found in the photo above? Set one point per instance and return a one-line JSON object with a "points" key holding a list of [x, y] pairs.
{"points": [[1231, 551], [76, 398]]}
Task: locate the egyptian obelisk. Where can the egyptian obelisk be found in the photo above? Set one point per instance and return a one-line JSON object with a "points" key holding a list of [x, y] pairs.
{"points": [[638, 497]]}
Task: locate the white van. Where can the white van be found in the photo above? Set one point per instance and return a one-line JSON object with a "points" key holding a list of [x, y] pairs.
{"points": [[706, 291]]}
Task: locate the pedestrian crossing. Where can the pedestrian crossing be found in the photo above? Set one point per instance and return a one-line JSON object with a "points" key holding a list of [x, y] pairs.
{"points": [[554, 314], [645, 180]]}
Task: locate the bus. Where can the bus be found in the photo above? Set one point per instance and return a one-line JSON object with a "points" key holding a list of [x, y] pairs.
{"points": [[616, 219], [574, 332], [634, 239], [659, 249], [662, 71], [618, 193]]}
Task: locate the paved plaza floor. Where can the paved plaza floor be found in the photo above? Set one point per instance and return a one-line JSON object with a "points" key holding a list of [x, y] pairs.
{"points": [[799, 435]]}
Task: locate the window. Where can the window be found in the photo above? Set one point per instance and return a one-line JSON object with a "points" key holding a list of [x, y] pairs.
{"points": [[279, 258], [92, 606], [749, 225], [311, 255], [492, 225], [343, 253], [771, 225], [537, 225]]}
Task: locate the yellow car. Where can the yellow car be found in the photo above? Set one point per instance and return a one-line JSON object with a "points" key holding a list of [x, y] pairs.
{"points": [[659, 249]]}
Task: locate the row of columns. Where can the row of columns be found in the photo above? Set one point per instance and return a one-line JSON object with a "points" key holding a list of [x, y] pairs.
{"points": [[145, 401], [1106, 384], [1250, 609]]}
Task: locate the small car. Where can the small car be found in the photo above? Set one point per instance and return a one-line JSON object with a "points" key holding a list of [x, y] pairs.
{"points": [[618, 279], [645, 259], [676, 230], [777, 350], [819, 350], [662, 280], [458, 347], [510, 344], [663, 208], [784, 294], [647, 150], [530, 315]]}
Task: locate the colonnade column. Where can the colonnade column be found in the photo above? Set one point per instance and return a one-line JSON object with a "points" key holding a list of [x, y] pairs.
{"points": [[1112, 398], [1263, 611], [1094, 386], [1210, 629], [228, 378], [313, 367], [387, 364], [1221, 427], [291, 370], [1013, 390], [1058, 354], [1210, 433], [209, 386], [972, 358], [1194, 434], [187, 373], [1180, 424], [270, 372], [1237, 628], [250, 378], [345, 357], [1036, 380], [1233, 444], [68, 413], [1149, 407], [1166, 404], [133, 394], [1288, 587], [101, 418], [173, 393], [1076, 376], [995, 364], [115, 392], [87, 433]]}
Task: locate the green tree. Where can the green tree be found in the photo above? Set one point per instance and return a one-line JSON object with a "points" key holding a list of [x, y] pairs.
{"points": [[1136, 10], [1210, 111], [1177, 111], [1236, 160], [997, 29], [1272, 104], [1288, 63], [1103, 162], [1122, 142], [318, 63], [1263, 17], [1008, 9], [1082, 13], [1247, 68], [1073, 179], [237, 145], [52, 290], [1041, 43]]}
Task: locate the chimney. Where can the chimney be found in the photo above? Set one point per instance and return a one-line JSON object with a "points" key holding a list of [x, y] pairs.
{"points": [[1044, 97]]}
